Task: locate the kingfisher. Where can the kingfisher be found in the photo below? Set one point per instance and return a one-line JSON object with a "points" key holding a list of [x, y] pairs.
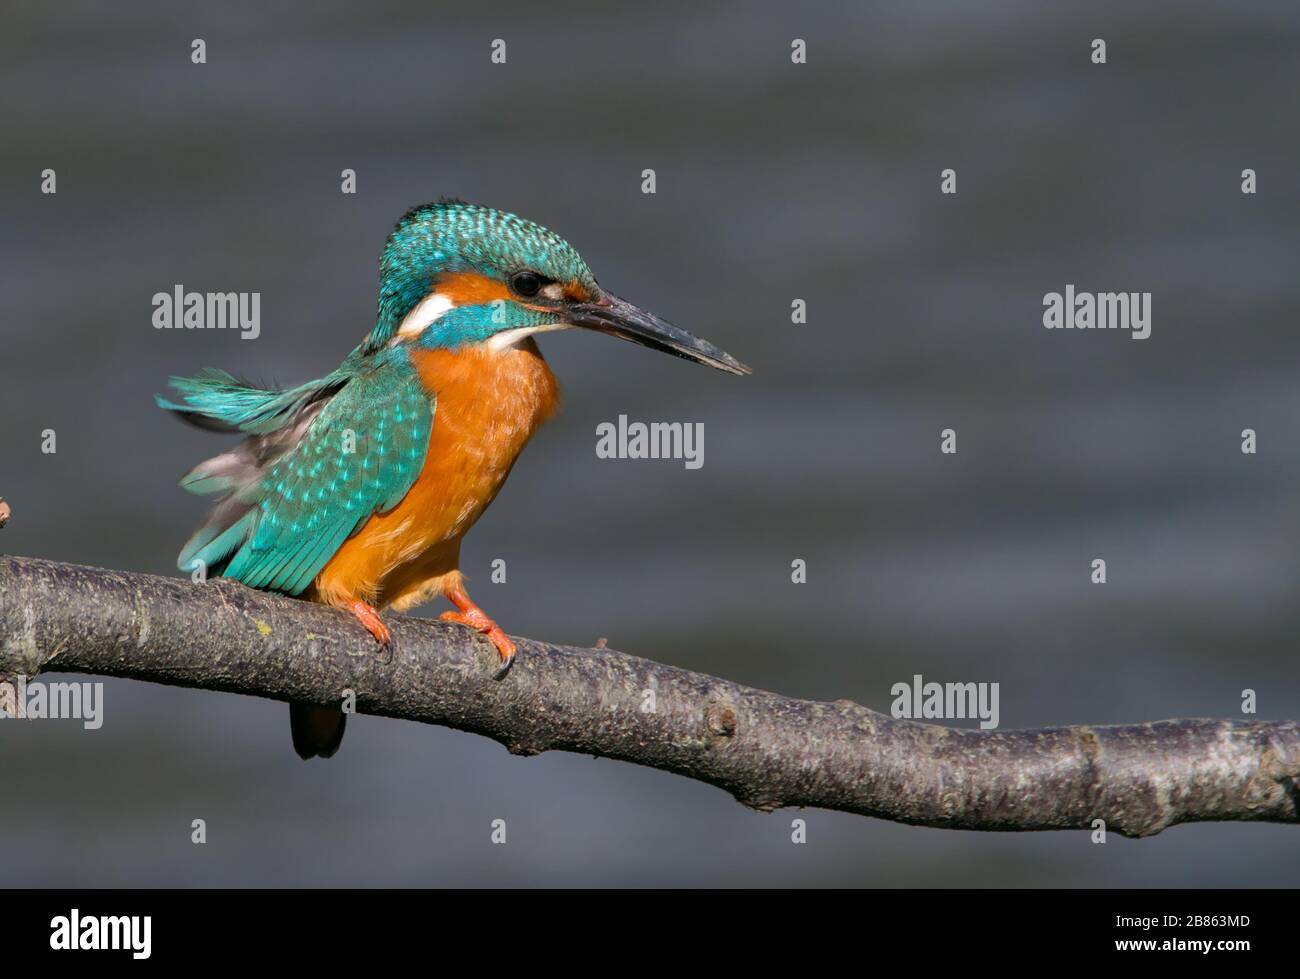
{"points": [[356, 489]]}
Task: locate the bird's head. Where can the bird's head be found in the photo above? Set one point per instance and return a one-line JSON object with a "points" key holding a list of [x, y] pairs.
{"points": [[454, 274]]}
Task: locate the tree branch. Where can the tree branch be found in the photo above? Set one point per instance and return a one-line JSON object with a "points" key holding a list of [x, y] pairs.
{"points": [[766, 750]]}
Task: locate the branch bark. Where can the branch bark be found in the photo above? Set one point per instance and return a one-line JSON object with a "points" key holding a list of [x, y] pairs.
{"points": [[767, 750]]}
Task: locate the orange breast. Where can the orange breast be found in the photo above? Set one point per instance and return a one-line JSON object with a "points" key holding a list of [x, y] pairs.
{"points": [[488, 406]]}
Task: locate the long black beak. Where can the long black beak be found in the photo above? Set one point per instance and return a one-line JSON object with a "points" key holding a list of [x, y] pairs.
{"points": [[620, 318]]}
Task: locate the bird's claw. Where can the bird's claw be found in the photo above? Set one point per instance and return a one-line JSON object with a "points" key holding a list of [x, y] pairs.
{"points": [[477, 620], [369, 617], [506, 663]]}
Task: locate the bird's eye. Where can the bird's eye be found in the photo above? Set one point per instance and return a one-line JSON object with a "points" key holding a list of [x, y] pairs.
{"points": [[526, 283]]}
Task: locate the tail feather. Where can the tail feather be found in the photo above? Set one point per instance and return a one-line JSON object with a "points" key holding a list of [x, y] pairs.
{"points": [[218, 400], [317, 731], [278, 421], [215, 542]]}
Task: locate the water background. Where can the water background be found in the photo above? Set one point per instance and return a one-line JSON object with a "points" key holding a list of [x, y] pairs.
{"points": [[775, 181]]}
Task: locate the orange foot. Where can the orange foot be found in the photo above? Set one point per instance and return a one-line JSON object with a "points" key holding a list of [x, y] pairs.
{"points": [[369, 618], [471, 615]]}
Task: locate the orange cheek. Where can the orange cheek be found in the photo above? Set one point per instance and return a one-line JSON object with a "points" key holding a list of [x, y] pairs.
{"points": [[470, 289]]}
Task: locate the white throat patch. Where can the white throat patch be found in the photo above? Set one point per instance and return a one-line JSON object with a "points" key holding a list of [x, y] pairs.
{"points": [[509, 338]]}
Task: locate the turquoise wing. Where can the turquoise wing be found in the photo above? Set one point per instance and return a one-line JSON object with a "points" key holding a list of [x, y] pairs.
{"points": [[359, 455]]}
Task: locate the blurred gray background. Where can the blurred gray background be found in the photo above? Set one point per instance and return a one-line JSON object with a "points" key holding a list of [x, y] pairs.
{"points": [[775, 181]]}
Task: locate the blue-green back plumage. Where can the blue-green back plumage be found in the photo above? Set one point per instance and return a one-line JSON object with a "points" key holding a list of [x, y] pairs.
{"points": [[325, 457]]}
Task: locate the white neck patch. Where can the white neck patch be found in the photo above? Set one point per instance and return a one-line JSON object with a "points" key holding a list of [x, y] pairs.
{"points": [[428, 311]]}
